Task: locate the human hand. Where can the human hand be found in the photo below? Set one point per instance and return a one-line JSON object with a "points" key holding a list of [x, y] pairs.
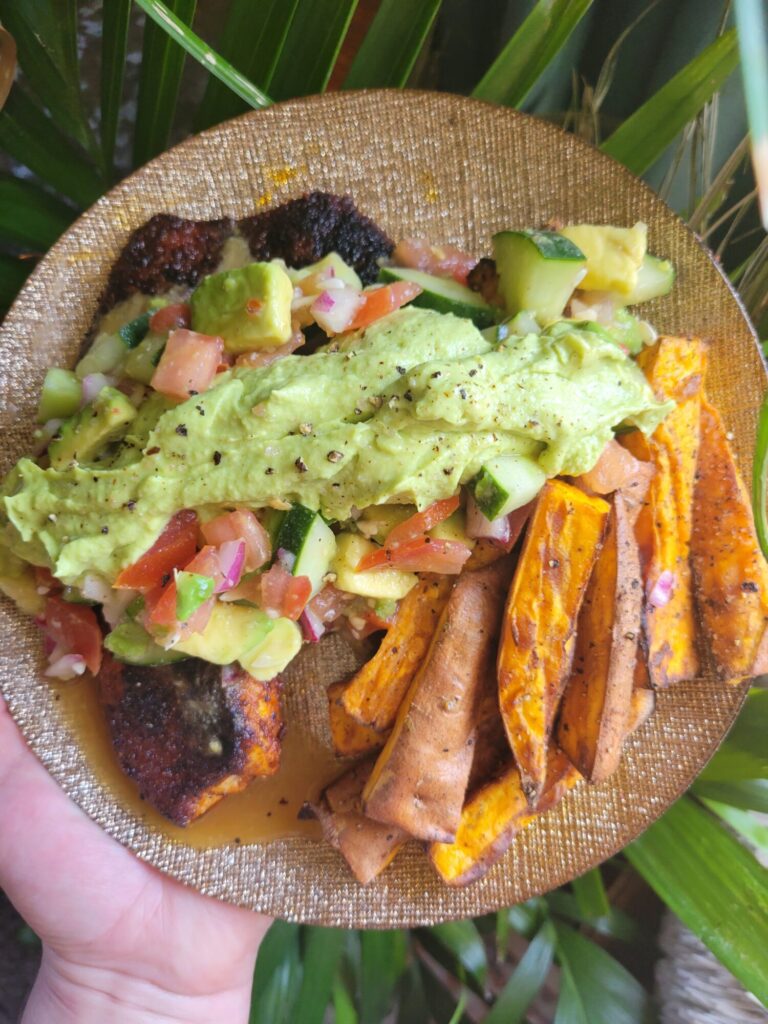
{"points": [[121, 942]]}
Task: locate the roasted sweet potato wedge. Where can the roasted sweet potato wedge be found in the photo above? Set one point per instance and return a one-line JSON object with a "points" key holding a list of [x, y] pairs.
{"points": [[641, 707], [596, 703], [493, 815], [366, 845], [350, 737], [539, 627], [730, 573], [675, 368], [420, 778], [373, 696]]}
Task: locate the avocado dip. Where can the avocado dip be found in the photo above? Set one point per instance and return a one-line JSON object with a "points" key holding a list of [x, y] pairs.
{"points": [[402, 412]]}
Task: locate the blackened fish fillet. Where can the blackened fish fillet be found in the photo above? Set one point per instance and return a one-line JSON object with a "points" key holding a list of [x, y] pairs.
{"points": [[304, 230], [190, 733]]}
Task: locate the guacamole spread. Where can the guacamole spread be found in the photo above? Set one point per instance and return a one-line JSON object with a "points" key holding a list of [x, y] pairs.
{"points": [[404, 411]]}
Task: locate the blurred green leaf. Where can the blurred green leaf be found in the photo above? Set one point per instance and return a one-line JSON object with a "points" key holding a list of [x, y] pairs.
{"points": [[463, 940], [321, 953], [616, 924], [383, 956], [29, 216], [744, 753], [29, 136], [713, 884], [311, 48], [749, 794], [595, 988], [590, 894], [458, 1013], [523, 60], [526, 980], [392, 44], [13, 274], [253, 37], [114, 43], [277, 975], [343, 1008], [501, 934], [640, 140], [46, 37], [744, 822], [188, 40], [413, 1001], [162, 63]]}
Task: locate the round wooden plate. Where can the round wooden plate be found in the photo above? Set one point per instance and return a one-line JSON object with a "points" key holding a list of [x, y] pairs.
{"points": [[452, 170]]}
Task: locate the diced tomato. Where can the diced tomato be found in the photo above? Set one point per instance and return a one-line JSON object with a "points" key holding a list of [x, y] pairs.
{"points": [[241, 525], [172, 550], [160, 607], [420, 523], [76, 628], [188, 364], [517, 521], [284, 594], [427, 554], [265, 356], [616, 469], [441, 260], [170, 317], [329, 603], [380, 301]]}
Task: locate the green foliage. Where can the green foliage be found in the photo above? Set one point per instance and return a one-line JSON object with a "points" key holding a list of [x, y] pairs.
{"points": [[714, 885], [644, 136], [526, 979], [392, 44], [527, 54], [311, 48], [114, 45]]}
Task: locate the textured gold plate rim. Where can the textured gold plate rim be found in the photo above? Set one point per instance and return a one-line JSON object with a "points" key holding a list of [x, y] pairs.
{"points": [[407, 894]]}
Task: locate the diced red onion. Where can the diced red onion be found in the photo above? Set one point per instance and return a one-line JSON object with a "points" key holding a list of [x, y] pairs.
{"points": [[311, 626], [232, 561], [334, 313], [479, 525], [69, 666], [50, 427], [286, 558], [93, 383], [113, 602], [661, 591], [324, 303]]}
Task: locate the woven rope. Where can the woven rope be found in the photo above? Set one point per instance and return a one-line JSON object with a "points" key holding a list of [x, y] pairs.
{"points": [[694, 988]]}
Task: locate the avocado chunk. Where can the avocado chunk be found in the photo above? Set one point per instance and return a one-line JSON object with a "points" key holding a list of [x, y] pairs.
{"points": [[131, 643], [60, 395], [614, 255], [83, 436], [381, 584], [334, 265], [250, 308]]}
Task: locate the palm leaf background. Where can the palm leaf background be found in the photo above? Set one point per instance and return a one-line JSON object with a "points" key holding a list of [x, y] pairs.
{"points": [[650, 81]]}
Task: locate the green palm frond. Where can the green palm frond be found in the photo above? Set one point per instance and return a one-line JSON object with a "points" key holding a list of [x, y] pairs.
{"points": [[392, 44], [311, 47]]}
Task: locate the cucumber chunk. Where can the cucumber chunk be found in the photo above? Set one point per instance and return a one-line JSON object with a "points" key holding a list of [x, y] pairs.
{"points": [[135, 330], [105, 355], [538, 271], [507, 483], [308, 537], [654, 279], [444, 295], [60, 395]]}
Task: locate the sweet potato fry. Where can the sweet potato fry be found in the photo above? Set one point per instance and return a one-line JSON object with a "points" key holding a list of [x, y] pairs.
{"points": [[538, 631], [730, 573], [419, 780], [596, 703], [492, 816], [367, 846], [675, 368], [641, 707], [350, 738], [375, 693]]}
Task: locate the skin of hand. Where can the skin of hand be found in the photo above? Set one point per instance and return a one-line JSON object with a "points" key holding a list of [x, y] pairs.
{"points": [[121, 942]]}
